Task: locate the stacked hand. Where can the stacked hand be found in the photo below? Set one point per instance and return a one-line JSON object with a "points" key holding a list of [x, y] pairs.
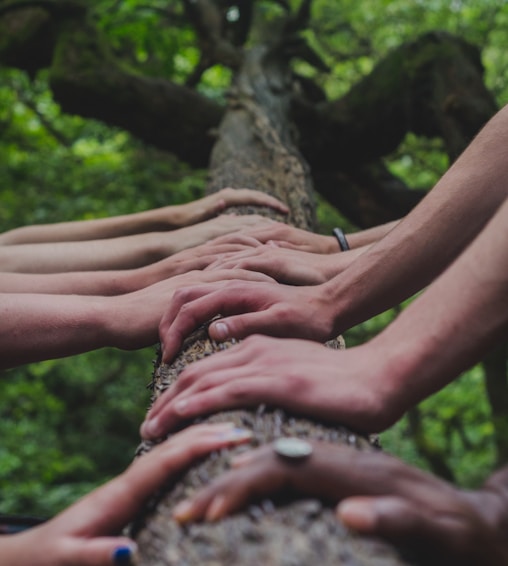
{"points": [[378, 495], [303, 377], [87, 533]]}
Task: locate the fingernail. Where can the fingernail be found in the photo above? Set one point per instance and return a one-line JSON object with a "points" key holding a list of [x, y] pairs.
{"points": [[357, 515], [122, 556], [183, 512], [216, 509], [236, 434], [220, 330], [150, 428]]}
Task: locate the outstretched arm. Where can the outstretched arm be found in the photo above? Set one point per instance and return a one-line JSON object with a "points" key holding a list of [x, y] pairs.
{"points": [[118, 282], [443, 332], [88, 532], [35, 327], [126, 252], [379, 495], [156, 220], [406, 260]]}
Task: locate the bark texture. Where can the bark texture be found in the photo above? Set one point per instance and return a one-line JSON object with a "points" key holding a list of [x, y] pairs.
{"points": [[255, 148]]}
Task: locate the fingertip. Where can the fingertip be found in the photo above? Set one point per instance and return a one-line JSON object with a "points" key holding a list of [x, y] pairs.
{"points": [[217, 508], [123, 555], [150, 428], [218, 331], [184, 512], [358, 514]]}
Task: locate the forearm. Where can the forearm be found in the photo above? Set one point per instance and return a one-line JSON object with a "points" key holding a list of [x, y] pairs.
{"points": [[454, 322], [115, 253], [96, 229], [426, 241], [370, 235], [37, 327], [100, 283]]}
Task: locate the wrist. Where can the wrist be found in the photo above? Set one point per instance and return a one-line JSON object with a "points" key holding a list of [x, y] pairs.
{"points": [[329, 245]]}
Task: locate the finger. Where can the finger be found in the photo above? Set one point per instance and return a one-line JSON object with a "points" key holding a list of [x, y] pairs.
{"points": [[103, 551], [107, 509], [236, 393], [249, 196], [203, 371], [263, 322], [235, 489], [191, 307], [397, 519], [234, 273]]}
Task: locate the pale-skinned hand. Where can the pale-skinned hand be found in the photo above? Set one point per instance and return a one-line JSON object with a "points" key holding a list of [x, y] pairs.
{"points": [[379, 496], [216, 203], [286, 236], [87, 533], [131, 321], [191, 259], [346, 387], [285, 265], [258, 307], [207, 230]]}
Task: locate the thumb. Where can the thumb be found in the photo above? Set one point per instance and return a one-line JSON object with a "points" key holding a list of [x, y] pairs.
{"points": [[240, 326], [104, 551], [391, 517]]}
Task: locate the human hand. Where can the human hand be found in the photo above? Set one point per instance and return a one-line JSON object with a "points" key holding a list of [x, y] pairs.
{"points": [[285, 265], [87, 533], [216, 203], [191, 259], [379, 496], [131, 321], [203, 232], [266, 308], [286, 236], [347, 387]]}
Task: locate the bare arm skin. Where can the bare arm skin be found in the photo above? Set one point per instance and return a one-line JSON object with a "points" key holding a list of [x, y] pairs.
{"points": [[379, 496], [406, 260], [88, 532], [125, 252], [156, 220], [370, 235], [35, 327], [370, 386], [118, 282]]}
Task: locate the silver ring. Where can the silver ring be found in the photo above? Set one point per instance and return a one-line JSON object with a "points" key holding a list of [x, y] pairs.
{"points": [[294, 449]]}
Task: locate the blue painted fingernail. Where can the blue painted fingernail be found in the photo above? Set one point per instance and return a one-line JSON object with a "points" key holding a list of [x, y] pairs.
{"points": [[122, 556]]}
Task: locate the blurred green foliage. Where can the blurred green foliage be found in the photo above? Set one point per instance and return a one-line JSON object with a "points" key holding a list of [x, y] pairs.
{"points": [[68, 425]]}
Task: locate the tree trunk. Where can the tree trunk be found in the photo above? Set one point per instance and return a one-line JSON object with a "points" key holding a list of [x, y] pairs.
{"points": [[255, 149]]}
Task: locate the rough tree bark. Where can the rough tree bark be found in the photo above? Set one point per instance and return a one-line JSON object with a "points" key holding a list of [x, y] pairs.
{"points": [[255, 146]]}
